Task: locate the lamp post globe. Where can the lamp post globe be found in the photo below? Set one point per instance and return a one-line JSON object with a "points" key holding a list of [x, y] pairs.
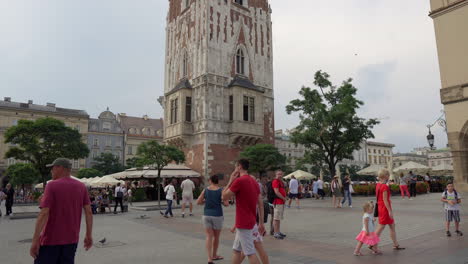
{"points": [[430, 139]]}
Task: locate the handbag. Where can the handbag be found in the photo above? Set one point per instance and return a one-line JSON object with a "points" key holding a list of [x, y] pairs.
{"points": [[376, 208], [351, 189]]}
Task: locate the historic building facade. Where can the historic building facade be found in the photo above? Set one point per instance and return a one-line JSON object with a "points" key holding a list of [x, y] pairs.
{"points": [[218, 80], [104, 136], [440, 157], [402, 158], [289, 149], [379, 153], [11, 112], [137, 130], [450, 23]]}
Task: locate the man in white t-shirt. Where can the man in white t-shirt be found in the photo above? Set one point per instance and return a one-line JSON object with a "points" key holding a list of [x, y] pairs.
{"points": [[452, 201], [320, 191], [293, 191], [187, 195], [170, 193]]}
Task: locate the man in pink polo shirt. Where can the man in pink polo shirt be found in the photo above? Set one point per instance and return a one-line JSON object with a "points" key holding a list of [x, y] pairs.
{"points": [[248, 198], [58, 225]]}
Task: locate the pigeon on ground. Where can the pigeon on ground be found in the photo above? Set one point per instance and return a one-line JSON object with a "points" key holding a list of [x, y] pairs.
{"points": [[142, 216], [102, 241]]}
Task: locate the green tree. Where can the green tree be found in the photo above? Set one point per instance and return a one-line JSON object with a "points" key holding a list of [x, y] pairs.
{"points": [[107, 163], [156, 155], [40, 142], [134, 162], [88, 173], [329, 125], [22, 174], [263, 158]]}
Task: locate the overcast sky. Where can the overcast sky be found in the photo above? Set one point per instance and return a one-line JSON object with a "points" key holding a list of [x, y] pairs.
{"points": [[88, 54]]}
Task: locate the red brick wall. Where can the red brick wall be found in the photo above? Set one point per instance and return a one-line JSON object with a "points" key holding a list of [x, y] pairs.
{"points": [[224, 160]]}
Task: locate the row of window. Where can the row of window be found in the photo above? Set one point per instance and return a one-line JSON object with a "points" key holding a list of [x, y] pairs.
{"points": [[248, 109], [117, 143], [96, 154], [378, 160], [379, 151]]}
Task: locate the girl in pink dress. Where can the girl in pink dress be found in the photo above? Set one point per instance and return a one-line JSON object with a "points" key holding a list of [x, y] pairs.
{"points": [[367, 235]]}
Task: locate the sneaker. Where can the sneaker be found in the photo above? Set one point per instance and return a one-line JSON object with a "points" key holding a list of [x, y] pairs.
{"points": [[459, 233], [281, 234], [278, 236], [350, 206], [449, 234], [190, 214]]}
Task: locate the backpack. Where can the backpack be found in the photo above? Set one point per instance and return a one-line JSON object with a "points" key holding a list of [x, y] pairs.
{"points": [[456, 194], [271, 195], [120, 193]]}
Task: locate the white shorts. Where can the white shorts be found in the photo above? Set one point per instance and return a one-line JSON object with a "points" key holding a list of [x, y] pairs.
{"points": [[244, 242], [187, 198], [256, 235]]}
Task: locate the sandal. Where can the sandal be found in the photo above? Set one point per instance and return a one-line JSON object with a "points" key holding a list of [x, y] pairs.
{"points": [[217, 258], [371, 248], [398, 248], [358, 254]]}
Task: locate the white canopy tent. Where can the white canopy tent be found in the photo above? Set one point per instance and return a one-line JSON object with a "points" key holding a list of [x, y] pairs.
{"points": [[412, 166], [41, 186], [170, 171], [105, 181], [300, 175], [371, 170]]}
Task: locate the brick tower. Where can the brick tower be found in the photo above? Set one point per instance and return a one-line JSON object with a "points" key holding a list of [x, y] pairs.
{"points": [[218, 90]]}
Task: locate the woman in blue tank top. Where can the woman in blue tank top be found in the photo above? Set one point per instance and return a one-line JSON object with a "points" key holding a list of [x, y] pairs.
{"points": [[212, 217]]}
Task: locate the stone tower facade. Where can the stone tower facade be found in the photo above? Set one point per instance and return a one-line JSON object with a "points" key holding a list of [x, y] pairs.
{"points": [[218, 94]]}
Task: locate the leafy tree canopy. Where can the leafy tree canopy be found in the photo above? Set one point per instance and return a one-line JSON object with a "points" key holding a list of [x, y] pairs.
{"points": [[40, 142], [263, 158], [88, 173], [21, 174], [134, 162], [154, 154], [107, 163], [329, 126]]}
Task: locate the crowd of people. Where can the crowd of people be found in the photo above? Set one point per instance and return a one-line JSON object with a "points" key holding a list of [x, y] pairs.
{"points": [[57, 228]]}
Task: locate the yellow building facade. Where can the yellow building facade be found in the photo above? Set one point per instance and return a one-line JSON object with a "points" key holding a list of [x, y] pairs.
{"points": [[451, 23], [11, 112]]}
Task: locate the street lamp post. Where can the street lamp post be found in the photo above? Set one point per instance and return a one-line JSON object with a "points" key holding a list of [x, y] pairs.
{"points": [[443, 123]]}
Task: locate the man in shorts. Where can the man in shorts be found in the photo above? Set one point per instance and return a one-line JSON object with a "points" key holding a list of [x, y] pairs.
{"points": [[187, 195], [293, 191], [278, 203], [247, 193], [57, 229]]}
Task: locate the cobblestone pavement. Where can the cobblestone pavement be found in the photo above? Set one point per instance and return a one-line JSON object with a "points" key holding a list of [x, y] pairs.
{"points": [[316, 233]]}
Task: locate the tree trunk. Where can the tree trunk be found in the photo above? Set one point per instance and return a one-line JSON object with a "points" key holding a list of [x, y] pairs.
{"points": [[159, 188], [332, 169]]}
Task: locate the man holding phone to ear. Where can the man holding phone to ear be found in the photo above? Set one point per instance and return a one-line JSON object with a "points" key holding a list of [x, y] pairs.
{"points": [[247, 193]]}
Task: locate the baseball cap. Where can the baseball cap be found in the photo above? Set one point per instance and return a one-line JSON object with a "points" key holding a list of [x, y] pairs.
{"points": [[63, 162]]}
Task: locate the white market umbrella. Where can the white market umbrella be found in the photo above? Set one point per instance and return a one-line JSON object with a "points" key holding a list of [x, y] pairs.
{"points": [[105, 181], [412, 166], [41, 186], [300, 175], [170, 171], [371, 170]]}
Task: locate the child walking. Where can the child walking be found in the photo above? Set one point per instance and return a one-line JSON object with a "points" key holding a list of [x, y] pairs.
{"points": [[452, 202], [367, 235]]}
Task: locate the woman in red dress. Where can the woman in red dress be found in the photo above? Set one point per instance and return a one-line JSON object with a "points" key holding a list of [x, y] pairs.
{"points": [[385, 208]]}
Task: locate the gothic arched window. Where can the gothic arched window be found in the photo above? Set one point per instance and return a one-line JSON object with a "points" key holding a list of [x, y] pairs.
{"points": [[184, 65], [240, 62]]}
